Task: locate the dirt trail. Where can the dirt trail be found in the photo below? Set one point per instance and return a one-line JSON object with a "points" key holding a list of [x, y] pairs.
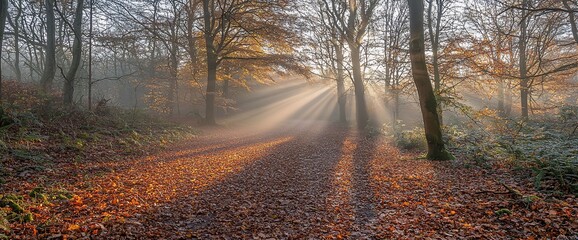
{"points": [[319, 182]]}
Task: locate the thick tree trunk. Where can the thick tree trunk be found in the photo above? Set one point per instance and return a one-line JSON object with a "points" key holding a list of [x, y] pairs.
{"points": [[341, 98], [76, 55], [3, 16], [428, 104], [212, 65], [360, 105], [50, 55]]}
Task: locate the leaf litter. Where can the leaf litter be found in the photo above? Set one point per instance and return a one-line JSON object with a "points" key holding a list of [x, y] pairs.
{"points": [[317, 183]]}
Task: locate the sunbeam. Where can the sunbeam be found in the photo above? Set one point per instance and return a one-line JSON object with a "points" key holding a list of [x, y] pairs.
{"points": [[285, 105]]}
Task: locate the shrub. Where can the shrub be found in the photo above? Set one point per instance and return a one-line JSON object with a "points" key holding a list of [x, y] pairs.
{"points": [[541, 148], [411, 139]]}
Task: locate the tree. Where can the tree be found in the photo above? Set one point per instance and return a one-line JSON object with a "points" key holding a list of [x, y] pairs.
{"points": [[327, 48], [3, 16], [69, 80], [434, 24], [395, 55], [351, 19], [427, 99], [50, 56], [542, 47], [244, 31], [14, 23], [212, 60], [522, 42]]}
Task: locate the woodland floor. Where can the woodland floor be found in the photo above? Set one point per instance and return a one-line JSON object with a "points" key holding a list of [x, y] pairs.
{"points": [[314, 182]]}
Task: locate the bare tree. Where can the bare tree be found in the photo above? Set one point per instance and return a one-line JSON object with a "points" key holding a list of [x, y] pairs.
{"points": [[15, 24], [328, 51], [395, 55], [50, 56], [434, 24], [427, 99], [70, 77], [3, 16], [351, 19]]}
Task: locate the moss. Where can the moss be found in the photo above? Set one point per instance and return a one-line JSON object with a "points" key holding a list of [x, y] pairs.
{"points": [[64, 196], [13, 205], [503, 211], [28, 217], [530, 199], [438, 155], [38, 193]]}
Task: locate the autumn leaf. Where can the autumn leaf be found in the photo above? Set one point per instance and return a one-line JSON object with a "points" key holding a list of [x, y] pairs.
{"points": [[73, 227]]}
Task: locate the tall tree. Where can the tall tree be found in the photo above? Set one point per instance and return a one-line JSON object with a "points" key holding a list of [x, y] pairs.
{"points": [[328, 52], [90, 37], [395, 55], [3, 16], [352, 19], [427, 99], [247, 31], [434, 23], [50, 54], [15, 24], [340, 77], [522, 42], [69, 80], [212, 61]]}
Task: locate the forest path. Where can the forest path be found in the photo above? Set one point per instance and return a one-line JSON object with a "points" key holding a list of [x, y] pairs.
{"points": [[315, 181]]}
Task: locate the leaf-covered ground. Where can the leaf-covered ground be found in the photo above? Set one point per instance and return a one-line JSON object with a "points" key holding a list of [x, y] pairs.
{"points": [[319, 182]]}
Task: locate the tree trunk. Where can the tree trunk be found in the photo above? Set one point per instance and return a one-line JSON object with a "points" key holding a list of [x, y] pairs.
{"points": [[16, 26], [434, 32], [395, 106], [428, 104], [341, 98], [3, 16], [523, 67], [173, 101], [76, 55], [90, 54], [211, 67], [360, 105], [211, 89], [50, 55], [226, 88], [508, 101], [191, 40], [572, 20], [501, 98]]}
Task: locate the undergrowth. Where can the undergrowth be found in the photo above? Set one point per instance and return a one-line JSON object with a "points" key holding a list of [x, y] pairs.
{"points": [[37, 132], [545, 149], [36, 128], [411, 139]]}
